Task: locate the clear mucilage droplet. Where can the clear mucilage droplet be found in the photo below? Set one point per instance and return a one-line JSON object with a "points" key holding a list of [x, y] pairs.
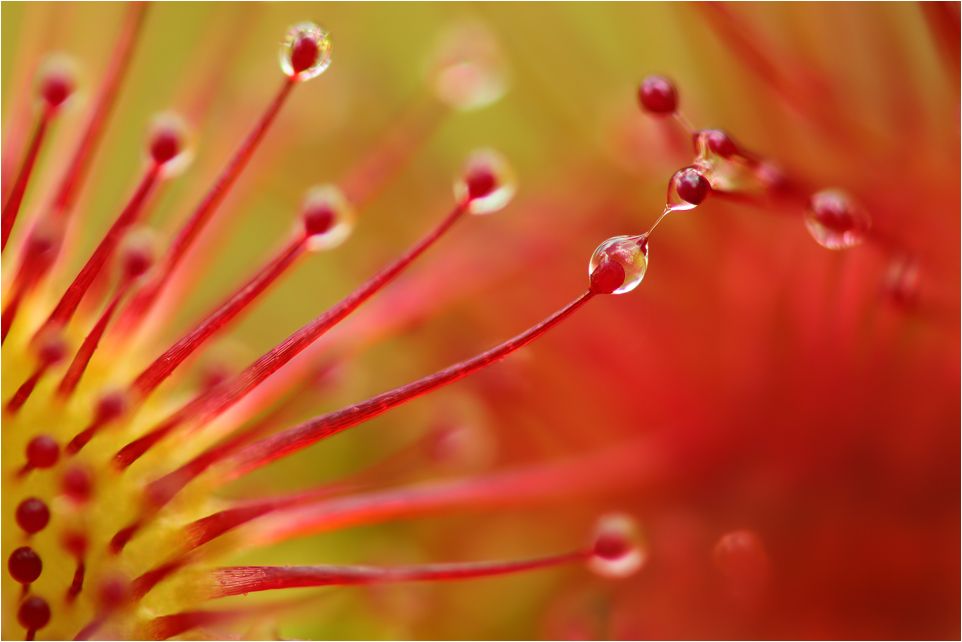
{"points": [[630, 252], [617, 550], [487, 183], [835, 221], [468, 71], [305, 51], [327, 217], [724, 165], [687, 188]]}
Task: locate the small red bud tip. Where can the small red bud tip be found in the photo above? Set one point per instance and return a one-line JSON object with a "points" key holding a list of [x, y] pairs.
{"points": [[25, 565], [615, 552], [718, 142], [77, 485], [43, 451], [34, 613], [658, 96], [113, 593], [691, 186], [52, 350], [56, 87], [33, 515], [110, 407], [304, 54], [607, 277], [136, 261], [318, 218], [832, 211], [75, 543], [481, 181], [165, 145]]}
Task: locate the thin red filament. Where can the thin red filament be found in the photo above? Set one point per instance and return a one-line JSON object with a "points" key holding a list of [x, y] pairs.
{"points": [[294, 439], [148, 294], [210, 405], [250, 579], [67, 306], [12, 207], [165, 364]]}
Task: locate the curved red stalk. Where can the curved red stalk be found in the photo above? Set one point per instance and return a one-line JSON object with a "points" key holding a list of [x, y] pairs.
{"points": [[148, 294], [12, 207], [294, 439], [942, 19], [164, 365], [77, 584], [79, 364], [638, 463], [251, 579], [211, 404]]}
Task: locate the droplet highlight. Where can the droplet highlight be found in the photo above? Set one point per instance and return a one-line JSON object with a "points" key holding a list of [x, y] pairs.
{"points": [[616, 547], [487, 183], [327, 216], [305, 52], [835, 221], [630, 253], [687, 189]]}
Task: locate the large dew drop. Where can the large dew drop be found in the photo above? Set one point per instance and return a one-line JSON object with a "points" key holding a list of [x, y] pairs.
{"points": [[687, 188], [835, 221], [468, 71], [306, 51], [630, 252]]}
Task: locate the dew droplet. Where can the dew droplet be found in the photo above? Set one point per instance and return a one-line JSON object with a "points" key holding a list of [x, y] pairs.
{"points": [[34, 613], [468, 71], [57, 80], [327, 216], [835, 221], [741, 558], [487, 183], [616, 547], [168, 143], [43, 451], [629, 252], [687, 189], [658, 96], [24, 565], [900, 285], [306, 51]]}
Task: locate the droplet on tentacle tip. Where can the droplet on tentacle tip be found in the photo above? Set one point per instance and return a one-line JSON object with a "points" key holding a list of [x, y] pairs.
{"points": [[137, 253], [835, 221], [57, 80], [657, 96], [327, 216], [168, 143], [24, 565], [468, 71], [687, 189], [487, 183], [305, 51], [616, 547], [630, 253], [741, 558], [900, 284], [33, 614], [33, 515]]}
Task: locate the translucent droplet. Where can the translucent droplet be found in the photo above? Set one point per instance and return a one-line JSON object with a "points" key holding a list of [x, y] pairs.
{"points": [[630, 252], [169, 143], [57, 80], [741, 558], [835, 220], [616, 547], [487, 183], [327, 216], [901, 281], [687, 188], [468, 71], [305, 51], [658, 96]]}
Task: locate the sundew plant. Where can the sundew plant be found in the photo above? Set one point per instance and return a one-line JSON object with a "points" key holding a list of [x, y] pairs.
{"points": [[456, 321]]}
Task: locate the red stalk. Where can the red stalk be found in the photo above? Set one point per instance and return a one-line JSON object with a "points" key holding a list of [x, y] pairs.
{"points": [[80, 361], [634, 464], [251, 579], [165, 364], [148, 294], [12, 206], [25, 390], [294, 439], [67, 306], [211, 404]]}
